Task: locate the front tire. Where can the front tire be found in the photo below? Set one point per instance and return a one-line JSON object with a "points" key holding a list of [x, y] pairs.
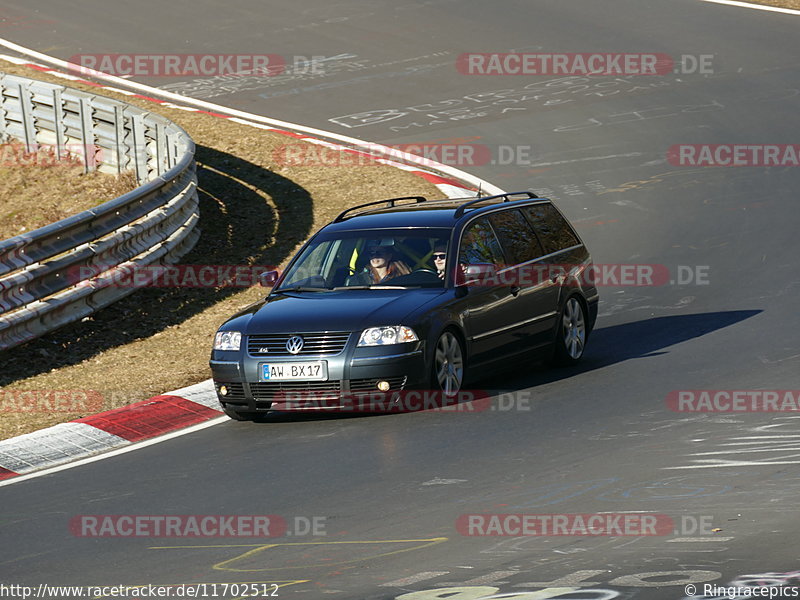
{"points": [[448, 370], [571, 333]]}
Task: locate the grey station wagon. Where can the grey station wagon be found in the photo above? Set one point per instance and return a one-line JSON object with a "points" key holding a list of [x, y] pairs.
{"points": [[410, 294]]}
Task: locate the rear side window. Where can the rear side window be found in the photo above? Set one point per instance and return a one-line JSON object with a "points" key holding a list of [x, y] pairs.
{"points": [[516, 236], [480, 245], [554, 231]]}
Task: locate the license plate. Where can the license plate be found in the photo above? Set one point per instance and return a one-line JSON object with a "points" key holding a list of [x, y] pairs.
{"points": [[294, 371]]}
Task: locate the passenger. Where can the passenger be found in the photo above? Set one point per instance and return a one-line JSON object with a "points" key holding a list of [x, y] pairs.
{"points": [[440, 259], [384, 265]]}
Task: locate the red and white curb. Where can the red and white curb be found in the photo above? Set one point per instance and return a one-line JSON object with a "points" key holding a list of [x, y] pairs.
{"points": [[109, 430], [159, 416]]}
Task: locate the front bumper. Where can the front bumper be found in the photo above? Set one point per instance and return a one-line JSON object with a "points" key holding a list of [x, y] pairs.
{"points": [[354, 371]]}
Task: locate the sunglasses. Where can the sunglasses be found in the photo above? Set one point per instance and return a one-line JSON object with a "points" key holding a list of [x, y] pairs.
{"points": [[377, 253], [439, 256]]}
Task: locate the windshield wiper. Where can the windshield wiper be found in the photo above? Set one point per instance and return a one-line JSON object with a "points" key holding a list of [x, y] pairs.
{"points": [[374, 286], [300, 288]]}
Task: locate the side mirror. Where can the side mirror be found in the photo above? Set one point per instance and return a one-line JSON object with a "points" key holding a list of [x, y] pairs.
{"points": [[268, 279]]}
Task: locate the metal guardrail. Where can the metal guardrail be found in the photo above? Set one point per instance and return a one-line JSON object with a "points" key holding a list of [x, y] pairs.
{"points": [[42, 284]]}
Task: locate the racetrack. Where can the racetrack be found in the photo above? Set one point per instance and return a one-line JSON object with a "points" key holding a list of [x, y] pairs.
{"points": [[599, 438]]}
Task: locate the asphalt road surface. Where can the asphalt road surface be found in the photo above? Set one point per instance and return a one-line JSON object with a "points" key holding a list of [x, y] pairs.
{"points": [[373, 503]]}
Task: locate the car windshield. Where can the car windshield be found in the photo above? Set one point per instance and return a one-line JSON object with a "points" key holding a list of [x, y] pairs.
{"points": [[369, 259]]}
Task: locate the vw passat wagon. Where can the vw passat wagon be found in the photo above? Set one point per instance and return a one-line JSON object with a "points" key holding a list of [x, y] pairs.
{"points": [[410, 294]]}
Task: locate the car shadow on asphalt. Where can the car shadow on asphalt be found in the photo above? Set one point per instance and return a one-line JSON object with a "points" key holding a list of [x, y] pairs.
{"points": [[618, 343]]}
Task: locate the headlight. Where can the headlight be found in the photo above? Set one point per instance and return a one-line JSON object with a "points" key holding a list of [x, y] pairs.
{"points": [[227, 340], [383, 336]]}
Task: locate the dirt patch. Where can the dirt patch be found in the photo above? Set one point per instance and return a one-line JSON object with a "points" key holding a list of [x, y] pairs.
{"points": [[255, 210]]}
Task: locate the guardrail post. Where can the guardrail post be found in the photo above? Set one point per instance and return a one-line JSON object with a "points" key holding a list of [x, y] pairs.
{"points": [[161, 148], [121, 153], [27, 117], [58, 124], [139, 147], [87, 134], [173, 142], [3, 112]]}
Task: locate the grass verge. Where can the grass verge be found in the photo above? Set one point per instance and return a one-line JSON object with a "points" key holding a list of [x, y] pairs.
{"points": [[254, 210], [779, 3], [37, 189]]}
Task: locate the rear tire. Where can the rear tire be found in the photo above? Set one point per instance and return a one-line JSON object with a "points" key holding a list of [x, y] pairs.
{"points": [[571, 333]]}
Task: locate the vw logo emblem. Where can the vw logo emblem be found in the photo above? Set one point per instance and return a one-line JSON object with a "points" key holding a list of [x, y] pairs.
{"points": [[294, 344]]}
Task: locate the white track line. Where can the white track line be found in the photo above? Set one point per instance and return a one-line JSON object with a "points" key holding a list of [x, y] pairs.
{"points": [[786, 11], [698, 540], [424, 576], [132, 447]]}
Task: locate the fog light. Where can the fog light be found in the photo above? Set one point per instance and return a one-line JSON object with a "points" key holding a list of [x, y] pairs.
{"points": [[223, 390], [383, 386]]}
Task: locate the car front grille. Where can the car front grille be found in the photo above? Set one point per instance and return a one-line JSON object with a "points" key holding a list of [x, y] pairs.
{"points": [[326, 343], [282, 390], [302, 393]]}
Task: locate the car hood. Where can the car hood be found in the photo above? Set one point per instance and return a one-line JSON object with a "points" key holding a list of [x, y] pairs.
{"points": [[346, 310]]}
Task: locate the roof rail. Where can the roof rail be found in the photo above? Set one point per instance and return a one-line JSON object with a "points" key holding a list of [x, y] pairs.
{"points": [[506, 198], [390, 201]]}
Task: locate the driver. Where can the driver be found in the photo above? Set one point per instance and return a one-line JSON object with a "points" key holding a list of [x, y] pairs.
{"points": [[384, 264]]}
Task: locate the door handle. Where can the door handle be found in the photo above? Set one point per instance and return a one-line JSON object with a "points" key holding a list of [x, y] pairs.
{"points": [[515, 289]]}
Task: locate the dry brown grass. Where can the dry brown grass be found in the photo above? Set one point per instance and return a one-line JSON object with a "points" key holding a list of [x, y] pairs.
{"points": [[779, 3], [253, 211], [36, 189]]}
